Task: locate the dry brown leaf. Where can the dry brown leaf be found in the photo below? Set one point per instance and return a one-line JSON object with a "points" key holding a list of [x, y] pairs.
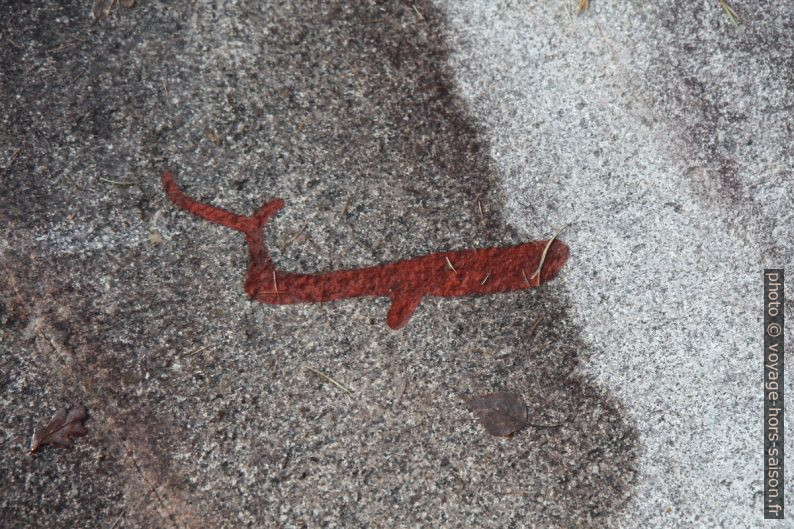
{"points": [[61, 428], [102, 8], [500, 413]]}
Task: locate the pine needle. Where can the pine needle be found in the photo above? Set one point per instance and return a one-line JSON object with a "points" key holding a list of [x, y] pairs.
{"points": [[117, 182], [545, 251], [730, 12], [331, 380]]}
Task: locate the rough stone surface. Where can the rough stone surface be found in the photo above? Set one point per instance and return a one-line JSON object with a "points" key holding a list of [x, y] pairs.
{"points": [[203, 411], [391, 129], [663, 133]]}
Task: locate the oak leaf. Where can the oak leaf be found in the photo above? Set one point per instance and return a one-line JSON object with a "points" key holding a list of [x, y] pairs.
{"points": [[62, 427]]}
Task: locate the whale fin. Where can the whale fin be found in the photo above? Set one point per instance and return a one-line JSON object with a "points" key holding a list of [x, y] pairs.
{"points": [[402, 308]]}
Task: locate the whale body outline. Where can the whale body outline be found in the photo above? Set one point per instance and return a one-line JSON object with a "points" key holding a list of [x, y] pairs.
{"points": [[455, 273]]}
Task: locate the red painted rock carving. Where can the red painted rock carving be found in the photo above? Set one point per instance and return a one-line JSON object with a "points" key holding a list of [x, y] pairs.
{"points": [[447, 274]]}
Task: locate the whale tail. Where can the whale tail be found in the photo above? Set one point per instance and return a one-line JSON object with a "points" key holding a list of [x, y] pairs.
{"points": [[252, 226]]}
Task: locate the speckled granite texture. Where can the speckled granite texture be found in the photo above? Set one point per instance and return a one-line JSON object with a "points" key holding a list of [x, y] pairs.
{"points": [[392, 130], [663, 133]]}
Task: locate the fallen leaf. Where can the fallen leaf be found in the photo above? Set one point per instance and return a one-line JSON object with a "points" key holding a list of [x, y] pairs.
{"points": [[500, 413], [102, 8], [61, 428], [155, 237]]}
